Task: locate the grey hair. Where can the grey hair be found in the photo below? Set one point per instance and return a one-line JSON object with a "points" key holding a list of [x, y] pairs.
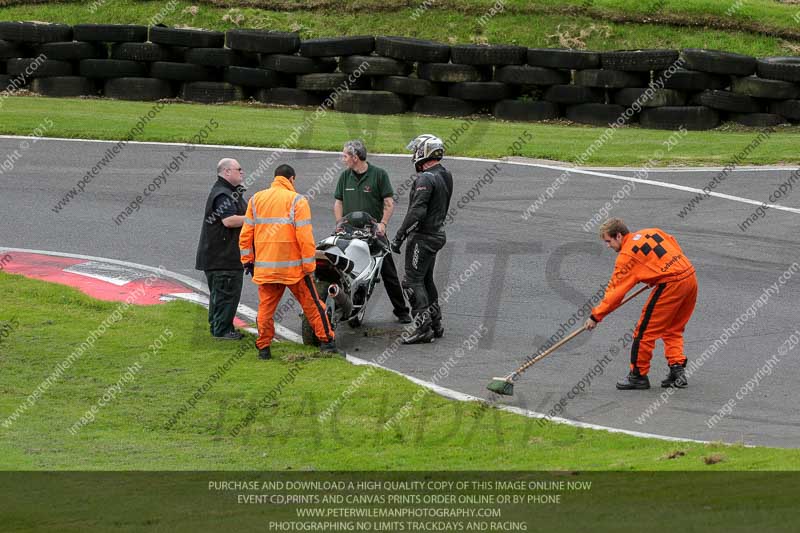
{"points": [[356, 147], [223, 164]]}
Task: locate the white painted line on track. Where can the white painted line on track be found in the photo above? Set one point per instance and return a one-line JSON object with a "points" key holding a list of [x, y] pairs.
{"points": [[288, 334], [576, 170], [193, 297], [460, 396], [664, 184], [115, 275], [695, 169]]}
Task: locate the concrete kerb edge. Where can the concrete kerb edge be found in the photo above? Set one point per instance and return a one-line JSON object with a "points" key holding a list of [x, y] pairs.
{"points": [[288, 334]]}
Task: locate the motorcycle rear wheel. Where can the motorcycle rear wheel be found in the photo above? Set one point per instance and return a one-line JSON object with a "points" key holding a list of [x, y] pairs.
{"points": [[307, 332], [358, 320], [309, 338]]}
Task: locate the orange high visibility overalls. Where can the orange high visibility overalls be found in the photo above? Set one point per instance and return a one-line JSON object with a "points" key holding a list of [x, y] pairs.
{"points": [[653, 256], [278, 238]]}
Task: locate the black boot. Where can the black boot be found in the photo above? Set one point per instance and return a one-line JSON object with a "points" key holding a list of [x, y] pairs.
{"points": [[264, 353], [330, 348], [436, 320], [403, 316], [676, 377], [422, 317], [420, 336], [232, 335], [634, 381]]}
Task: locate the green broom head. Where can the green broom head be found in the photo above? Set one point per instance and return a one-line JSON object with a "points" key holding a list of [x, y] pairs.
{"points": [[502, 386]]}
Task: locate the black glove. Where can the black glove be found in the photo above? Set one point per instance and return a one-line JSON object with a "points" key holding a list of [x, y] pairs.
{"points": [[248, 268], [395, 245]]}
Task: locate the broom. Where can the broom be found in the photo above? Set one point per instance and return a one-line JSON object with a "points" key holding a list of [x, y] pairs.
{"points": [[505, 386]]}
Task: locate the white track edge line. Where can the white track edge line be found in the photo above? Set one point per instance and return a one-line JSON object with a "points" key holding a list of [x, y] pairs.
{"points": [[695, 169], [460, 396], [665, 185], [292, 336], [576, 170]]}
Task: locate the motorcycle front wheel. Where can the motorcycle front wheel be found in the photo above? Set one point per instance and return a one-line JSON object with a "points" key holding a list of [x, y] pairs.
{"points": [[357, 320]]}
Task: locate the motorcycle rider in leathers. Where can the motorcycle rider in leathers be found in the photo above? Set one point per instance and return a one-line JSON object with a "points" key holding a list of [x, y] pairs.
{"points": [[423, 226]]}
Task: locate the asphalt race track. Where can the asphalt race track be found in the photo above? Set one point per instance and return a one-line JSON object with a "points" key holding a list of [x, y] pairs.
{"points": [[527, 276]]}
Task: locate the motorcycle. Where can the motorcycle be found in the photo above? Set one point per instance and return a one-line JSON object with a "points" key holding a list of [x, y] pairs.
{"points": [[348, 268]]}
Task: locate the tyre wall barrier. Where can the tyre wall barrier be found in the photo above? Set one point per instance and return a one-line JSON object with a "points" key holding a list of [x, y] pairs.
{"points": [[661, 89]]}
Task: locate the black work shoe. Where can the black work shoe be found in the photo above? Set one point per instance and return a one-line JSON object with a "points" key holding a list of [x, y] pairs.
{"points": [[264, 353], [330, 348], [419, 337], [403, 317], [438, 331], [633, 381], [676, 377], [230, 336]]}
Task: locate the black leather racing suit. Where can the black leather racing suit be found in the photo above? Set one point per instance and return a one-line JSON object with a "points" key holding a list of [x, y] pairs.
{"points": [[423, 226]]}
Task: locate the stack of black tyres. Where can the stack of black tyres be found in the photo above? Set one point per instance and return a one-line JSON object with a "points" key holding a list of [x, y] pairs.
{"points": [[487, 90], [118, 77], [539, 83], [420, 92], [327, 86], [198, 66], [784, 69], [622, 73], [559, 94], [51, 74], [323, 85], [396, 86], [663, 89], [272, 78], [702, 76]]}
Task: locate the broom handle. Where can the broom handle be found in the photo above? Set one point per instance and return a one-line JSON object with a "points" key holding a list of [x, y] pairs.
{"points": [[571, 336], [550, 350]]}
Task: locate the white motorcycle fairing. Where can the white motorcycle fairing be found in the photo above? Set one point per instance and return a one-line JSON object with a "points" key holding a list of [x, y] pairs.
{"points": [[349, 255]]}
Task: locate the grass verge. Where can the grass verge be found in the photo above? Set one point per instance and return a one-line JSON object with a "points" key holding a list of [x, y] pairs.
{"points": [[255, 125], [46, 322]]}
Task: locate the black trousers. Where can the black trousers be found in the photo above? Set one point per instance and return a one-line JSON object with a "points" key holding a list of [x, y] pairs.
{"points": [[418, 281], [225, 287], [392, 283]]}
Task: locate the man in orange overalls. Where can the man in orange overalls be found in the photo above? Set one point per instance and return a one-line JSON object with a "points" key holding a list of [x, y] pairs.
{"points": [[651, 256], [277, 248]]}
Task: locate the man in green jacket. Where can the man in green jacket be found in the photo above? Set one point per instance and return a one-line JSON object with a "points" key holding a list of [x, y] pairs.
{"points": [[366, 187]]}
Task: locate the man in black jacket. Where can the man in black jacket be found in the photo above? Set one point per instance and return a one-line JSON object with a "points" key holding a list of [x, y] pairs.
{"points": [[423, 226], [218, 250]]}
